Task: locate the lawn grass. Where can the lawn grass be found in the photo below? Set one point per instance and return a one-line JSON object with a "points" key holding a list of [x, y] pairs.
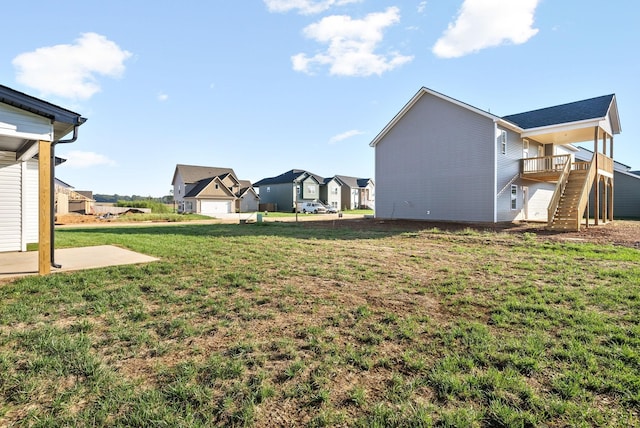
{"points": [[305, 325]]}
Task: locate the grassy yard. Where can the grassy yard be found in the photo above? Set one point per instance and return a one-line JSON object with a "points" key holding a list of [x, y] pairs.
{"points": [[284, 324]]}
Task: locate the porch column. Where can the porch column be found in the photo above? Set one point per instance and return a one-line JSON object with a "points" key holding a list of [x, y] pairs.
{"points": [[605, 199], [596, 195], [44, 207], [611, 146], [611, 201]]}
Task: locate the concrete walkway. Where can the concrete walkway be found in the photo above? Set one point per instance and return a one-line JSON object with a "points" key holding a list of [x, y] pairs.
{"points": [[17, 264]]}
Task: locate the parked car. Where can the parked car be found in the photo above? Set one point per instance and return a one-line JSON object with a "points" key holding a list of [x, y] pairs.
{"points": [[311, 207], [330, 209]]}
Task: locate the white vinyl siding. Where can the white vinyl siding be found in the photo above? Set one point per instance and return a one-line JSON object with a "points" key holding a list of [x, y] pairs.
{"points": [[10, 203], [30, 204]]}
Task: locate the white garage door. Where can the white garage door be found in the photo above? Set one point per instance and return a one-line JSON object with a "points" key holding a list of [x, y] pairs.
{"points": [[215, 207]]}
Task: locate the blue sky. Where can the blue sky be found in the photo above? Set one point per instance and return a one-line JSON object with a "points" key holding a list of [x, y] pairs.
{"points": [[264, 86]]}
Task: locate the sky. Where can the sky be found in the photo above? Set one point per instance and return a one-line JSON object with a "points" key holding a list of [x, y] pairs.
{"points": [[266, 86]]}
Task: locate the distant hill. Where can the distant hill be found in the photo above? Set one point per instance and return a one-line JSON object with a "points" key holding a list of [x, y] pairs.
{"points": [[115, 198]]}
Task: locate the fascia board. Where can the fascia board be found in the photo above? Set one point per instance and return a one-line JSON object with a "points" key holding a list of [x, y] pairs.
{"points": [[565, 127]]}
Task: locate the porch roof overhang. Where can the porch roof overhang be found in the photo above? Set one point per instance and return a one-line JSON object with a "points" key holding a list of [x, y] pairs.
{"points": [[566, 133], [24, 144], [569, 123]]}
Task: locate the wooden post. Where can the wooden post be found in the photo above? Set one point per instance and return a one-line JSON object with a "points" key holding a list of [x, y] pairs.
{"points": [[596, 196], [611, 201], [605, 198], [44, 207], [611, 146]]}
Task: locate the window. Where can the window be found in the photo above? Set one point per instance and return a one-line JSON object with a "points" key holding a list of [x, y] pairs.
{"points": [[503, 142], [311, 189], [525, 148], [268, 189], [217, 187], [514, 197]]}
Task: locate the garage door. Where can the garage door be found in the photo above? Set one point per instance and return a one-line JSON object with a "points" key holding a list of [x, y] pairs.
{"points": [[215, 207]]}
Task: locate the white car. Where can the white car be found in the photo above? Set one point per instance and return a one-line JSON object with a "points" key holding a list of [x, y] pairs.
{"points": [[312, 207]]}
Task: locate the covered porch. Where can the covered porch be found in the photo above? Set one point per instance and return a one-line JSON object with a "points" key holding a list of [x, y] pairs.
{"points": [[578, 183], [30, 128]]}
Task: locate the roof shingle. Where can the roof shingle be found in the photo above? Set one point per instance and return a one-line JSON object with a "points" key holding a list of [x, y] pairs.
{"points": [[592, 108]]}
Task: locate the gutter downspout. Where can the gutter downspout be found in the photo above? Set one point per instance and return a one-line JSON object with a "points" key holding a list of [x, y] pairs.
{"points": [[53, 195]]}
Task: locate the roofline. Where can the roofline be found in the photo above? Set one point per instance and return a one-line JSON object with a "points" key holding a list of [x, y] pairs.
{"points": [[40, 107], [614, 106], [422, 91], [566, 126]]}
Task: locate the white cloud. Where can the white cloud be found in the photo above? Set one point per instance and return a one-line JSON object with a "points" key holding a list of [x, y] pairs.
{"points": [[485, 23], [352, 44], [422, 7], [79, 160], [344, 136], [71, 70], [305, 7], [162, 97]]}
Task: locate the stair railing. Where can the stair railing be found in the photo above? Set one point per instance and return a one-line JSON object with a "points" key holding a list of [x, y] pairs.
{"points": [[586, 188], [559, 190]]}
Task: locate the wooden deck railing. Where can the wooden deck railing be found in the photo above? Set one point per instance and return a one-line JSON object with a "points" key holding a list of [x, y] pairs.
{"points": [[605, 163], [557, 193], [544, 164]]}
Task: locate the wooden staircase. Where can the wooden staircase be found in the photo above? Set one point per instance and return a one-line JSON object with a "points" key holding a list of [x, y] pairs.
{"points": [[569, 213]]}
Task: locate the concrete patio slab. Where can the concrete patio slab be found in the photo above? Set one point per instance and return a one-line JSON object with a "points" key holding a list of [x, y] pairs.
{"points": [[19, 264]]}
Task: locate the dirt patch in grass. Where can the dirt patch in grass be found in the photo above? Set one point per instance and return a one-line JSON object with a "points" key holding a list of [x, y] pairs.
{"points": [[619, 232]]}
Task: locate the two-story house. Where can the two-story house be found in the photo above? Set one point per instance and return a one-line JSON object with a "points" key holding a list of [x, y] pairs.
{"points": [[212, 191], [442, 159]]}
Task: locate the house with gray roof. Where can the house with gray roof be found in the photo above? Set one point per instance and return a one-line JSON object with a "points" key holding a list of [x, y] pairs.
{"points": [[282, 192], [442, 159], [342, 192], [212, 191], [348, 193], [626, 201]]}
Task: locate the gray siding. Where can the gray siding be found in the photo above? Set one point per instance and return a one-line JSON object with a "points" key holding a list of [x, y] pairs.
{"points": [[626, 196], [280, 194], [508, 172], [437, 163]]}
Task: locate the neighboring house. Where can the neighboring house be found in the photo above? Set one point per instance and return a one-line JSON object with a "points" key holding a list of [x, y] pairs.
{"points": [[69, 200], [28, 127], [285, 190], [297, 185], [348, 193], [211, 191], [626, 200], [248, 200], [442, 159]]}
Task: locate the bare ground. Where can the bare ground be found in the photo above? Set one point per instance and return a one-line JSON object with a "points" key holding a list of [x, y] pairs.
{"points": [[619, 232]]}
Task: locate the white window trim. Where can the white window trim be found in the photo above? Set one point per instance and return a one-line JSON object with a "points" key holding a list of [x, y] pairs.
{"points": [[503, 141], [514, 197]]}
